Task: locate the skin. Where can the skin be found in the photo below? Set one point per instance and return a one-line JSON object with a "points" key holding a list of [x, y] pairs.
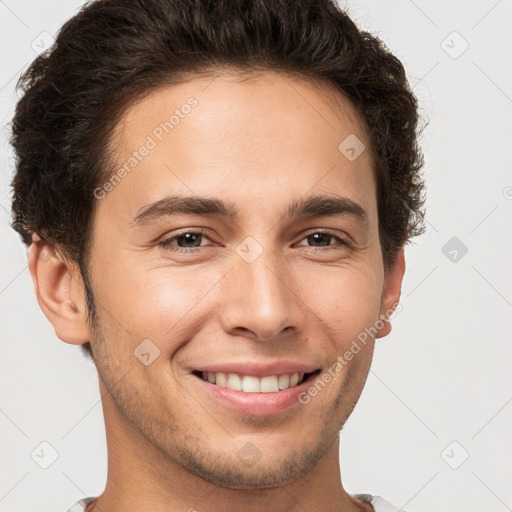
{"points": [[260, 144]]}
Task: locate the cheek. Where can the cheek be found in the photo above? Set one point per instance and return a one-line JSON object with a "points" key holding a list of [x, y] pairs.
{"points": [[155, 303], [167, 304], [345, 300]]}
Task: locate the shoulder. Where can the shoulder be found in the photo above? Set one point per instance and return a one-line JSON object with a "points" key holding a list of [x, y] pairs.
{"points": [[80, 505], [379, 504]]}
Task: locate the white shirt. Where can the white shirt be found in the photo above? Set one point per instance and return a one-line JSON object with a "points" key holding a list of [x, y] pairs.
{"points": [[379, 504]]}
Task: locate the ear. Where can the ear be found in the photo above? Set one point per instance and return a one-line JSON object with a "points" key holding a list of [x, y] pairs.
{"points": [[391, 293], [59, 290]]}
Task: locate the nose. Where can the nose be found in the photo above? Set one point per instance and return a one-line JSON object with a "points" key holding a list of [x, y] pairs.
{"points": [[260, 299]]}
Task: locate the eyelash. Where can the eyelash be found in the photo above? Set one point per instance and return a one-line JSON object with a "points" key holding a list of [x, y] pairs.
{"points": [[169, 246]]}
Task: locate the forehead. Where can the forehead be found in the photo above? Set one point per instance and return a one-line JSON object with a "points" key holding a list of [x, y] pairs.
{"points": [[266, 136]]}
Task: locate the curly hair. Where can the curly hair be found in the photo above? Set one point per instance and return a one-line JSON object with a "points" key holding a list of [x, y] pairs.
{"points": [[113, 52]]}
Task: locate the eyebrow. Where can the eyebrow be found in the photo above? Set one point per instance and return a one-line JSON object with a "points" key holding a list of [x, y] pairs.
{"points": [[316, 206]]}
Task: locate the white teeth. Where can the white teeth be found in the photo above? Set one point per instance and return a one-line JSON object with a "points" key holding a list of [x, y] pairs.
{"points": [[234, 381], [284, 381], [269, 384], [221, 379], [251, 384]]}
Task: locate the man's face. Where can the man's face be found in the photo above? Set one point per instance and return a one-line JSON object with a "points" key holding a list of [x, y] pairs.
{"points": [[259, 286]]}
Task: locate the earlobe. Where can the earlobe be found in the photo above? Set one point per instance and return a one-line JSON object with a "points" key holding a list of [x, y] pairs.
{"points": [[391, 294], [59, 291]]}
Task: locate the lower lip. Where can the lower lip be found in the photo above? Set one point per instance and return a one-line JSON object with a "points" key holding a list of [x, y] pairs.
{"points": [[256, 404]]}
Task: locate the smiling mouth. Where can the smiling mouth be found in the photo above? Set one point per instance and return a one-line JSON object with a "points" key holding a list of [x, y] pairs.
{"points": [[252, 384]]}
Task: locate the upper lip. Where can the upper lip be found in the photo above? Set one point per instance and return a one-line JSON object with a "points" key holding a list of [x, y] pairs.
{"points": [[258, 369]]}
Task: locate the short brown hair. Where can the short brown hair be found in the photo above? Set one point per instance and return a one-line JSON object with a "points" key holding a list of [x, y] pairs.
{"points": [[112, 52]]}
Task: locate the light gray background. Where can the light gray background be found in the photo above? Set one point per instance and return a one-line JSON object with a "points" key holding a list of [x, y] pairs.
{"points": [[440, 384]]}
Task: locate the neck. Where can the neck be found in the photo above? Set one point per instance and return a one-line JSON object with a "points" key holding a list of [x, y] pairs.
{"points": [[142, 477]]}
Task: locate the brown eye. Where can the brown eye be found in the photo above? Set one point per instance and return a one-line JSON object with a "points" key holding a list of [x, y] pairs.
{"points": [[188, 241], [323, 238]]}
